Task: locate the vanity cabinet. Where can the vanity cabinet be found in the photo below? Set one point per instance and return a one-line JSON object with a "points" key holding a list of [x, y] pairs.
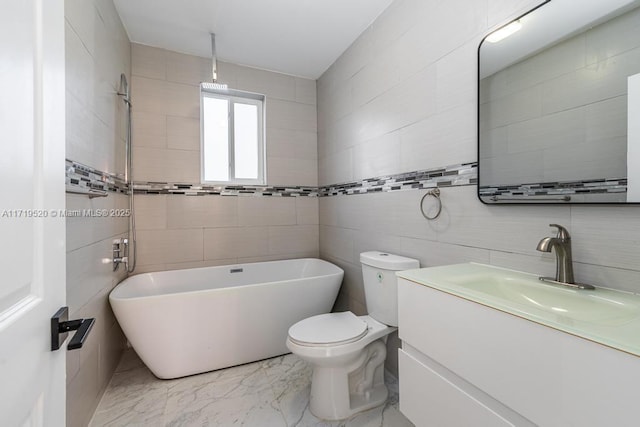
{"points": [[463, 363]]}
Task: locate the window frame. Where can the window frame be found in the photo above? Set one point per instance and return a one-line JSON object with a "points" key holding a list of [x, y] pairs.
{"points": [[233, 96]]}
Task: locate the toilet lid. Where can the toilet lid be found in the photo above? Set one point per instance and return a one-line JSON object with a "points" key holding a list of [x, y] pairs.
{"points": [[328, 329]]}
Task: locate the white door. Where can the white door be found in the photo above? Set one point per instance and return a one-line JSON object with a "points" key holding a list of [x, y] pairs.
{"points": [[32, 240]]}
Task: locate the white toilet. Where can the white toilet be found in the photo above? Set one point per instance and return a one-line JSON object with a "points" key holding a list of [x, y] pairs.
{"points": [[347, 352]]}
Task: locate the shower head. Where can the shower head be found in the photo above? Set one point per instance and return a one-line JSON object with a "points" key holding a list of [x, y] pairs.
{"points": [[213, 86]]}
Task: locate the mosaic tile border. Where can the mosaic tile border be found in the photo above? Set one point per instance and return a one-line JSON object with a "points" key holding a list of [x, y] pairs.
{"points": [[449, 176], [229, 190], [592, 186], [82, 179], [464, 174], [85, 180]]}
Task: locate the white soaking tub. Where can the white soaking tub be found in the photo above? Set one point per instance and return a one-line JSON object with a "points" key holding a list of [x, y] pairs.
{"points": [[185, 322]]}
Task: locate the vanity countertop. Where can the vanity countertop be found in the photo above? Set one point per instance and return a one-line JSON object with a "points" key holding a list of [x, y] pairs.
{"points": [[605, 316]]}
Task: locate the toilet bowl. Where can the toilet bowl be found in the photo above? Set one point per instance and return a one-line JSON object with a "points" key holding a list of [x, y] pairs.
{"points": [[347, 352]]}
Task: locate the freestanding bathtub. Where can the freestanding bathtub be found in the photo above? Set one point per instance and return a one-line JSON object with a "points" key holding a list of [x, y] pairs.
{"points": [[185, 322]]}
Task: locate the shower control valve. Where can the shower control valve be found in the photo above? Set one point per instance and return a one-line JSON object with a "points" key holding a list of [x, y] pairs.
{"points": [[120, 252]]}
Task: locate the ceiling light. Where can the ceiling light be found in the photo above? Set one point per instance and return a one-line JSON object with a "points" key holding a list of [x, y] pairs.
{"points": [[504, 32]]}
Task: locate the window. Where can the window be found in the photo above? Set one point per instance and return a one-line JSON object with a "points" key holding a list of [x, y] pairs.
{"points": [[232, 136]]}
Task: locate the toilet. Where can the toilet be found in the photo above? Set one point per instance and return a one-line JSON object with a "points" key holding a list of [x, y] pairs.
{"points": [[347, 352]]}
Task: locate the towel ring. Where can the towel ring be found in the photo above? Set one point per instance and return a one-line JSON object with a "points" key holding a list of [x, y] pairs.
{"points": [[436, 194]]}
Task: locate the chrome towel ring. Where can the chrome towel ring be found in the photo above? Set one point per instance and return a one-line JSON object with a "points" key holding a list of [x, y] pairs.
{"points": [[436, 194]]}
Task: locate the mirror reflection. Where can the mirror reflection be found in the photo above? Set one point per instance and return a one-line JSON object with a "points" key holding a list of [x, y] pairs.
{"points": [[559, 105]]}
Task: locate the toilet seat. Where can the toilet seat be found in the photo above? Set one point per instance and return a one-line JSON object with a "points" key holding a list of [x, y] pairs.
{"points": [[328, 330]]}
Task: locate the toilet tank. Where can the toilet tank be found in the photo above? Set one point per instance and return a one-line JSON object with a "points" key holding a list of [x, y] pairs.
{"points": [[381, 284]]}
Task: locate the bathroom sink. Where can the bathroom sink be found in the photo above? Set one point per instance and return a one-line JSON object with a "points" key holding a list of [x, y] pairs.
{"points": [[603, 315], [601, 305]]}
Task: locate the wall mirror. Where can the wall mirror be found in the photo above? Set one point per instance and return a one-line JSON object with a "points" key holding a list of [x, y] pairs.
{"points": [[559, 105]]}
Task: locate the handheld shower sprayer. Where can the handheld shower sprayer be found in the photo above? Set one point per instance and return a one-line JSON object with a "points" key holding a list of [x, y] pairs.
{"points": [[130, 242]]}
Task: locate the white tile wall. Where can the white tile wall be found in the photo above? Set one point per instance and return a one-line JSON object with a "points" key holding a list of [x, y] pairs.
{"points": [[183, 133], [378, 156], [606, 236], [149, 130], [292, 144], [177, 231], [336, 168], [295, 239], [181, 231], [163, 165], [266, 211], [274, 86], [283, 170], [199, 212], [148, 62], [169, 246], [424, 54], [97, 52], [307, 211], [305, 91], [187, 69], [150, 212], [90, 272], [421, 143], [282, 114], [235, 242]]}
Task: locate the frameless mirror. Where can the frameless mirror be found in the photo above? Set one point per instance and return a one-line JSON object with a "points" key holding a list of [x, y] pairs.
{"points": [[559, 105]]}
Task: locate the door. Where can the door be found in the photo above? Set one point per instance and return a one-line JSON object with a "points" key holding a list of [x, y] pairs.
{"points": [[32, 249]]}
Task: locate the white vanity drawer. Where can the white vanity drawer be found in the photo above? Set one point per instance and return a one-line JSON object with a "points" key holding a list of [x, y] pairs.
{"points": [[428, 399], [549, 377]]}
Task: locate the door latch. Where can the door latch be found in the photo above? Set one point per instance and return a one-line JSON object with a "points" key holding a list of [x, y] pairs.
{"points": [[61, 325]]}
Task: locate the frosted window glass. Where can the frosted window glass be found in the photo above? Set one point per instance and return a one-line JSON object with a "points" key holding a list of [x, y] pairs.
{"points": [[216, 139], [245, 134], [232, 137]]}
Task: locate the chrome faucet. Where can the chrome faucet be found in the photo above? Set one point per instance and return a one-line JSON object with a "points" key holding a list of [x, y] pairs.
{"points": [[564, 262]]}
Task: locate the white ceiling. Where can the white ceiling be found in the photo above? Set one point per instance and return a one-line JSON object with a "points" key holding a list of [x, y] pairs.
{"points": [[298, 37]]}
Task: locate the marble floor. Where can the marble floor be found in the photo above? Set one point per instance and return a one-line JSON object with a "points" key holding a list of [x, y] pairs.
{"points": [[269, 393]]}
